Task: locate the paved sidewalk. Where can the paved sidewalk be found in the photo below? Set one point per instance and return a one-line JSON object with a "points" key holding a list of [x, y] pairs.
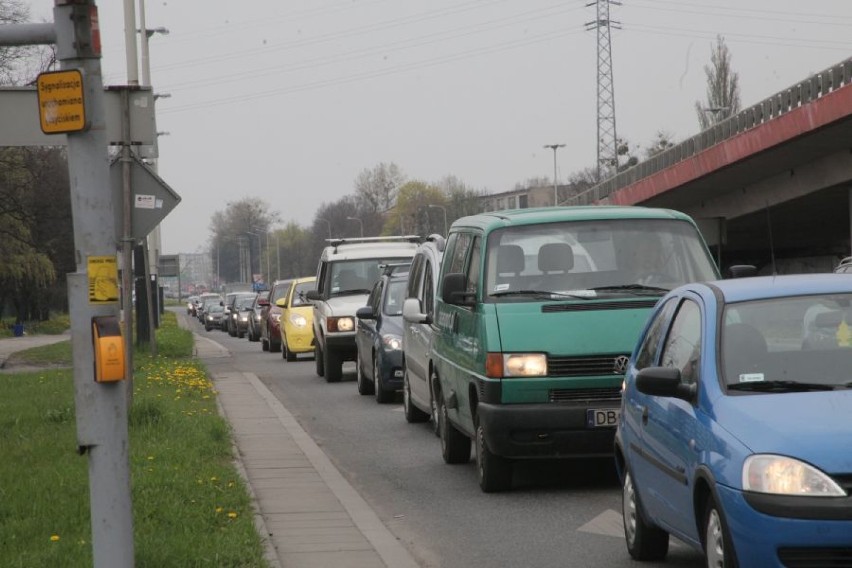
{"points": [[11, 345], [312, 517]]}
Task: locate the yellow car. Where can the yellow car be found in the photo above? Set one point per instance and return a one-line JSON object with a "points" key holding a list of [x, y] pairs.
{"points": [[296, 323]]}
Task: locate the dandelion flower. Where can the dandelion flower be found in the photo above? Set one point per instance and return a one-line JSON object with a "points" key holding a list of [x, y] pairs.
{"points": [[232, 515], [218, 509], [54, 537]]}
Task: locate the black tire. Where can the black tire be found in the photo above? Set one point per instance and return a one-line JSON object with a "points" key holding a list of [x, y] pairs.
{"points": [[241, 334], [494, 472], [383, 396], [455, 446], [412, 413], [207, 327], [333, 366], [318, 361], [644, 540], [365, 387], [274, 344], [286, 353], [718, 546], [264, 345]]}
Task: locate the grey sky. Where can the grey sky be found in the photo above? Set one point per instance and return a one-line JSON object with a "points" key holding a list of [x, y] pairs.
{"points": [[288, 101]]}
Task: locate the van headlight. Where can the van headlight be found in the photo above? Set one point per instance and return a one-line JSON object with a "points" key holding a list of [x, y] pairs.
{"points": [[499, 365], [781, 475]]}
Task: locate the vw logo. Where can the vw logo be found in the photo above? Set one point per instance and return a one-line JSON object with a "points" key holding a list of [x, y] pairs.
{"points": [[619, 364]]}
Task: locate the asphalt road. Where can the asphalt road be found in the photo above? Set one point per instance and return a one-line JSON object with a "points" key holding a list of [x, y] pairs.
{"points": [[557, 515]]}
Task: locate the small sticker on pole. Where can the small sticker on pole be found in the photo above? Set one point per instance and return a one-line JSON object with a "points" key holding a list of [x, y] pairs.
{"points": [[61, 104], [103, 279]]}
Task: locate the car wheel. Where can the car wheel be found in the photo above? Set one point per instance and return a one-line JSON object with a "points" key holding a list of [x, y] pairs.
{"points": [[241, 334], [318, 361], [382, 396], [207, 327], [644, 540], [412, 413], [333, 366], [494, 472], [285, 351], [718, 548], [364, 386], [264, 345], [274, 344], [455, 446], [433, 402]]}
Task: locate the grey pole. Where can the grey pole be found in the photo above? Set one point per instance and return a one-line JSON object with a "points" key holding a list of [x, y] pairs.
{"points": [[278, 255], [101, 408], [554, 147], [444, 210], [360, 223], [329, 225]]}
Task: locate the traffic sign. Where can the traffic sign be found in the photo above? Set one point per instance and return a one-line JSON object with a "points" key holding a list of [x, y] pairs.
{"points": [[151, 201], [61, 104]]}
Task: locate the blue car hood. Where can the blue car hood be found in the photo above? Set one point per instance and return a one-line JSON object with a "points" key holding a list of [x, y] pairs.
{"points": [[815, 427]]}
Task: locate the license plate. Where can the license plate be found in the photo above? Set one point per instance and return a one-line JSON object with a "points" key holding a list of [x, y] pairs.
{"points": [[602, 417]]}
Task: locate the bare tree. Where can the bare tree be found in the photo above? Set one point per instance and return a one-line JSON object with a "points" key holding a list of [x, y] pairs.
{"points": [[376, 189], [723, 88]]}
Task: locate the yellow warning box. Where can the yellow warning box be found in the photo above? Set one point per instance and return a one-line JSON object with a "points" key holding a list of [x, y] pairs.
{"points": [[103, 279], [61, 105], [109, 349]]}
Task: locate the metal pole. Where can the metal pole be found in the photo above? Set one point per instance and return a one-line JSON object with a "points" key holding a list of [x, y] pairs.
{"points": [[130, 42], [101, 408], [555, 187], [127, 242], [277, 255]]}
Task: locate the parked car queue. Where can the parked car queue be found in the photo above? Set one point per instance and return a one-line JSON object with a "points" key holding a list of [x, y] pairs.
{"points": [[578, 332]]}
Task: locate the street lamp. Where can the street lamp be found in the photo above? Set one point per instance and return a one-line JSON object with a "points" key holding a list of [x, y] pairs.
{"points": [[554, 147], [360, 222], [444, 210], [329, 225]]}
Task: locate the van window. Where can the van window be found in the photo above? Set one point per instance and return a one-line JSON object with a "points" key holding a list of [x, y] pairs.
{"points": [[458, 253], [573, 256], [473, 267]]}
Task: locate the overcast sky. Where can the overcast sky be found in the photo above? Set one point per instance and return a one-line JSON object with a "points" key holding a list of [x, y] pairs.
{"points": [[288, 101]]}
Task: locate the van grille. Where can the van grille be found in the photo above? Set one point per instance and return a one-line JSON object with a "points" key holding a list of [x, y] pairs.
{"points": [[586, 395], [585, 366], [599, 306]]}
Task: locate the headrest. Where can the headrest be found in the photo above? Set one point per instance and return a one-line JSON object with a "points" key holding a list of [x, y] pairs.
{"points": [[555, 257], [510, 258]]}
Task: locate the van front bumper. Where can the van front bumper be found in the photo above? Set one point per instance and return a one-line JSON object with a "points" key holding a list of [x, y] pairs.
{"points": [[544, 431]]}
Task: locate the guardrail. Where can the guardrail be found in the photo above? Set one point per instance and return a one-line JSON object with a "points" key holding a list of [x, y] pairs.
{"points": [[812, 88]]}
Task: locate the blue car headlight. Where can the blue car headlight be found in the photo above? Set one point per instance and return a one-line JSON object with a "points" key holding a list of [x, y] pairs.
{"points": [[782, 475], [392, 342]]}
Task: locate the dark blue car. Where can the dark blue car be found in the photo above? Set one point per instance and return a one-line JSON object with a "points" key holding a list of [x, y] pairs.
{"points": [[378, 337], [735, 429]]}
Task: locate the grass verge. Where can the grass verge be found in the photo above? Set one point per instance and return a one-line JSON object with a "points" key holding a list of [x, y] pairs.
{"points": [[190, 507]]}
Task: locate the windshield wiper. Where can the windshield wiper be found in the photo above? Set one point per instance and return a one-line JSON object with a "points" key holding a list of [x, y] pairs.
{"points": [[350, 292], [540, 293], [781, 386], [631, 288]]}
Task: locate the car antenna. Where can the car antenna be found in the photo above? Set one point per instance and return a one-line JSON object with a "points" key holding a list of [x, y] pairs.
{"points": [[771, 243]]}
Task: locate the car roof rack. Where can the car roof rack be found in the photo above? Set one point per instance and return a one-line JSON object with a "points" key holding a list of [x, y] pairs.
{"points": [[350, 240], [394, 267]]}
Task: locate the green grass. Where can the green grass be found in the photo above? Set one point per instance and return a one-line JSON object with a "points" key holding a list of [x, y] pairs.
{"points": [[190, 507], [53, 355]]}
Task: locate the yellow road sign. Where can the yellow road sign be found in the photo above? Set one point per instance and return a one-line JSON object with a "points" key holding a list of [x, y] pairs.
{"points": [[61, 105], [103, 279]]}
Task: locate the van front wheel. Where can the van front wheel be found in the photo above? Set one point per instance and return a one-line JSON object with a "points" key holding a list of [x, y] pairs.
{"points": [[494, 472]]}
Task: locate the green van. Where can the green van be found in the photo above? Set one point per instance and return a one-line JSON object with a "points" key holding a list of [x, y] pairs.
{"points": [[537, 314]]}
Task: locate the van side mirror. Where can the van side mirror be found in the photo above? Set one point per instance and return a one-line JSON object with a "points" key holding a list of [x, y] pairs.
{"points": [[742, 271], [454, 290], [412, 311], [313, 295]]}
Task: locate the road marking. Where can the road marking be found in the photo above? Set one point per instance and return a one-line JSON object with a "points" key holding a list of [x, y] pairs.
{"points": [[607, 523]]}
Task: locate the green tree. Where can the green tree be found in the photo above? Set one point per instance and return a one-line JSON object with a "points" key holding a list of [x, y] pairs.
{"points": [[412, 214], [723, 88]]}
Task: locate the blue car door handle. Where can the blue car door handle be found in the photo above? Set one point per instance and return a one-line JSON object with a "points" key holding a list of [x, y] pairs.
{"points": [[644, 415]]}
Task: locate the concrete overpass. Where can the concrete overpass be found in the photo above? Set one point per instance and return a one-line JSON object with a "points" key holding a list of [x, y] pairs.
{"points": [[778, 173]]}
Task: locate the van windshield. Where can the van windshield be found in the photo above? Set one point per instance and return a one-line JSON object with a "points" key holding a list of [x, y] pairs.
{"points": [[595, 258]]}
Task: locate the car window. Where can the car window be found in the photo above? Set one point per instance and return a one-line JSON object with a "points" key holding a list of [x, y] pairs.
{"points": [[473, 268], [394, 298], [682, 349], [415, 276], [647, 355], [428, 291], [278, 291], [299, 298], [358, 275]]}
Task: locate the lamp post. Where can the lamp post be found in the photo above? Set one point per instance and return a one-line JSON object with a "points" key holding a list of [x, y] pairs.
{"points": [[554, 147], [444, 210], [360, 222], [327, 223]]}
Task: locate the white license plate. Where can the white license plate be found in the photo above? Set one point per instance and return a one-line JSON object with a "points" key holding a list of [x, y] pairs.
{"points": [[602, 417]]}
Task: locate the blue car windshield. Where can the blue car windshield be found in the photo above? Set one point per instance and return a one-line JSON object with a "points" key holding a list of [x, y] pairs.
{"points": [[394, 298], [790, 340]]}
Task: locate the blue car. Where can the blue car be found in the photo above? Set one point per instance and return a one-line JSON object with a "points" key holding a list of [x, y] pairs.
{"points": [[378, 337], [735, 428]]}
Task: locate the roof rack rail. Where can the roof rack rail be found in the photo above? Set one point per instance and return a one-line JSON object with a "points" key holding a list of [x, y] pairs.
{"points": [[350, 240], [392, 267]]}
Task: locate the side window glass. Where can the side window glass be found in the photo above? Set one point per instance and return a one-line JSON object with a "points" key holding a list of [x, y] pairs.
{"points": [[428, 299], [459, 254], [321, 277], [682, 349], [473, 268], [375, 297], [415, 276], [647, 355]]}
